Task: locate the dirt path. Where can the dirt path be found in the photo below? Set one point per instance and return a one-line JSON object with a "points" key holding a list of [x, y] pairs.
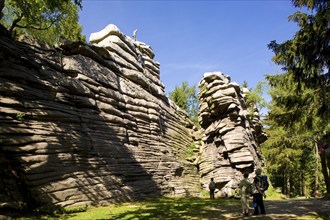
{"points": [[291, 209]]}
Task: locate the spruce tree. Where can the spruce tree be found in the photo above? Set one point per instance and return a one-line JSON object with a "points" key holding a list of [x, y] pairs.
{"points": [[302, 102]]}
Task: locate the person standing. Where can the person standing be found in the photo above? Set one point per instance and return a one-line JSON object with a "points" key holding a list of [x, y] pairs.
{"points": [[245, 187], [140, 59], [212, 188], [134, 34], [258, 202]]}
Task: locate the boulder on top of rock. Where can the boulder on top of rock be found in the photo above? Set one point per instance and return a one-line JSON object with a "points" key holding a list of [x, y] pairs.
{"points": [[111, 29]]}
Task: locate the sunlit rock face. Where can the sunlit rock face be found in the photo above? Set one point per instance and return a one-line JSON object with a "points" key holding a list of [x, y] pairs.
{"points": [[88, 124], [231, 135]]}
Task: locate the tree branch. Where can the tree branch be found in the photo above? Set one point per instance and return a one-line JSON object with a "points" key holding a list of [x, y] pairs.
{"points": [[14, 24], [39, 28]]}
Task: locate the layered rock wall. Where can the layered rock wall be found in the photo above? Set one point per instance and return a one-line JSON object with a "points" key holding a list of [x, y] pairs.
{"points": [[88, 124], [232, 133]]}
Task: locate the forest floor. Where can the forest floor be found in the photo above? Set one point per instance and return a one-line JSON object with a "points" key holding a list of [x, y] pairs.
{"points": [[193, 208]]}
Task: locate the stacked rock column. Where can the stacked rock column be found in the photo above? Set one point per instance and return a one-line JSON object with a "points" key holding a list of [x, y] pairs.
{"points": [[230, 142]]}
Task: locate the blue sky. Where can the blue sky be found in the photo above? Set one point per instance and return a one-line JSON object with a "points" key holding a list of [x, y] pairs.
{"points": [[190, 38]]}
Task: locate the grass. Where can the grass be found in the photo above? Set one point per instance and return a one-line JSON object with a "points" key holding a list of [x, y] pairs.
{"points": [[177, 208], [275, 194], [158, 208]]}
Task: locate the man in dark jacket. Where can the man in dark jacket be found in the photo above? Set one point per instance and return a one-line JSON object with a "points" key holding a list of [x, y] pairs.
{"points": [[258, 202], [212, 188]]}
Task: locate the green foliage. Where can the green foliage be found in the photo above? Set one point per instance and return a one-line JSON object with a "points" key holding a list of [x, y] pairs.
{"points": [[299, 113], [192, 149], [245, 84], [310, 4], [296, 106], [47, 20], [186, 98], [75, 209], [306, 56], [289, 160], [274, 194], [255, 97], [20, 116], [293, 126]]}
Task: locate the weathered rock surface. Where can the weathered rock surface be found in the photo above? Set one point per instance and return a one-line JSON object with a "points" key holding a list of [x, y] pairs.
{"points": [[231, 137], [88, 124]]}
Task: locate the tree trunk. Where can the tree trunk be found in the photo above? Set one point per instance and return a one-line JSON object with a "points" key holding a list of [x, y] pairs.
{"points": [[301, 184], [2, 5], [327, 180], [325, 166], [284, 185], [288, 185], [325, 162], [316, 186]]}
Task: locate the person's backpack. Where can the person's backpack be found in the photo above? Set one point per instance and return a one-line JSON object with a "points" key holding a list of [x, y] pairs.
{"points": [[264, 183]]}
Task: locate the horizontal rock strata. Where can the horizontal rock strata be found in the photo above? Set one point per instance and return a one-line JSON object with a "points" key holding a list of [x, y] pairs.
{"points": [[231, 137], [88, 124]]}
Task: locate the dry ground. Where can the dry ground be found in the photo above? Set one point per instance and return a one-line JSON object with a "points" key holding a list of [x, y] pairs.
{"points": [[290, 209]]}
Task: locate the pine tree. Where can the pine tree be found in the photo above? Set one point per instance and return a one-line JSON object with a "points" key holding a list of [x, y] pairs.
{"points": [[290, 148], [303, 102]]}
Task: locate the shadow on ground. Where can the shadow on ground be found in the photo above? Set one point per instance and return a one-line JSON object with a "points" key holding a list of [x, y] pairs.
{"points": [[197, 208]]}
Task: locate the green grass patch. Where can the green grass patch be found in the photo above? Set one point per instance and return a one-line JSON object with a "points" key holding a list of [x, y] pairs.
{"points": [[179, 208], [159, 208], [275, 194]]}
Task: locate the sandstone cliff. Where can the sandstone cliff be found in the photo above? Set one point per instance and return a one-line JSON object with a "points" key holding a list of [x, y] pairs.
{"points": [[89, 124]]}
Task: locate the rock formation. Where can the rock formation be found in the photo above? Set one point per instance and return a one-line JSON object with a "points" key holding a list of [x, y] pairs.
{"points": [[231, 140], [90, 124]]}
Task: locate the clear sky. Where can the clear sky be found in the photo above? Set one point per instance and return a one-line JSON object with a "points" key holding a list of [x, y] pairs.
{"points": [[190, 38]]}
